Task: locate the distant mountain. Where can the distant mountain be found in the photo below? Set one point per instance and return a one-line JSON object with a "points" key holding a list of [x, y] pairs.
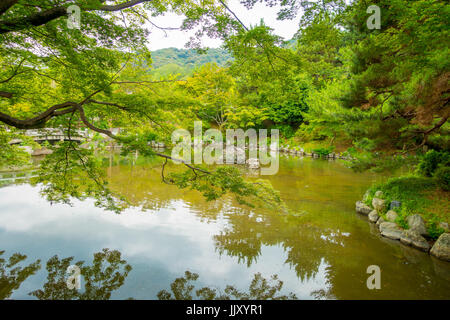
{"points": [[184, 61]]}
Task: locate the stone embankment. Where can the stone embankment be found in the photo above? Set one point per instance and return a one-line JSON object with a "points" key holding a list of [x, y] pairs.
{"points": [[296, 151], [415, 236]]}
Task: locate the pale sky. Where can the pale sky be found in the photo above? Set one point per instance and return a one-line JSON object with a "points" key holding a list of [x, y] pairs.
{"points": [[178, 39]]}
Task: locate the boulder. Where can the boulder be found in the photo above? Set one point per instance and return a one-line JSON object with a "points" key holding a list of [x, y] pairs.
{"points": [[391, 230], [373, 216], [441, 248], [414, 239], [391, 215], [362, 208], [379, 204], [394, 204], [416, 223], [380, 221], [378, 194]]}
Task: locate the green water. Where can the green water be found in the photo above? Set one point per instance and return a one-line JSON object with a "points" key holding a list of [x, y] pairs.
{"points": [[322, 252]]}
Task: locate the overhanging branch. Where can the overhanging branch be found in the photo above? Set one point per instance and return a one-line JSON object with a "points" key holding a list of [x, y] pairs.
{"points": [[40, 120], [42, 17], [111, 135], [5, 94]]}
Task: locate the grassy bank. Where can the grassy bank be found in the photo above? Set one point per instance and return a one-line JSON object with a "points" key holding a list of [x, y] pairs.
{"points": [[418, 195]]}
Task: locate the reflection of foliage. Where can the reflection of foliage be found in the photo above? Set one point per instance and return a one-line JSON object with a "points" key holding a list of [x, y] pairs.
{"points": [[229, 179], [71, 172], [241, 241], [259, 289], [323, 294], [11, 279], [249, 232], [107, 273]]}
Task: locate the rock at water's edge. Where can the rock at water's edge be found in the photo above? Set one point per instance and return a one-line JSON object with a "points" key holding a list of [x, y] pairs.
{"points": [[414, 239], [441, 248], [380, 221], [373, 216], [362, 208], [391, 215], [417, 224], [391, 230], [379, 204]]}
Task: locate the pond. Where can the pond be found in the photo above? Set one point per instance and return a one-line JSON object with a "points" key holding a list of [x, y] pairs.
{"points": [[322, 252]]}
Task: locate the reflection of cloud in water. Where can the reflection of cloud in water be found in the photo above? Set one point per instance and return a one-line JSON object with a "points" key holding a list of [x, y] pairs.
{"points": [[172, 239], [321, 254]]}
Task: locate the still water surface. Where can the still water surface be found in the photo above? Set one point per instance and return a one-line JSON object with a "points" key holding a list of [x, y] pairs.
{"points": [[322, 252]]}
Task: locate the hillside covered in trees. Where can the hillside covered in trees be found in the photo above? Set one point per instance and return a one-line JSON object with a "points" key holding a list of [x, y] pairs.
{"points": [[183, 62]]}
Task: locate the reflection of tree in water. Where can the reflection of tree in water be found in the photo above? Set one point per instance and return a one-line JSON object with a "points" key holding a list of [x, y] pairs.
{"points": [[247, 233], [143, 188], [308, 240], [260, 289], [12, 274], [106, 274], [310, 244], [240, 239]]}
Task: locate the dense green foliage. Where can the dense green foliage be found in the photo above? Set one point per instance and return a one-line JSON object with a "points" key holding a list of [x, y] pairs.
{"points": [[436, 164], [169, 61], [381, 95], [431, 161], [442, 176]]}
